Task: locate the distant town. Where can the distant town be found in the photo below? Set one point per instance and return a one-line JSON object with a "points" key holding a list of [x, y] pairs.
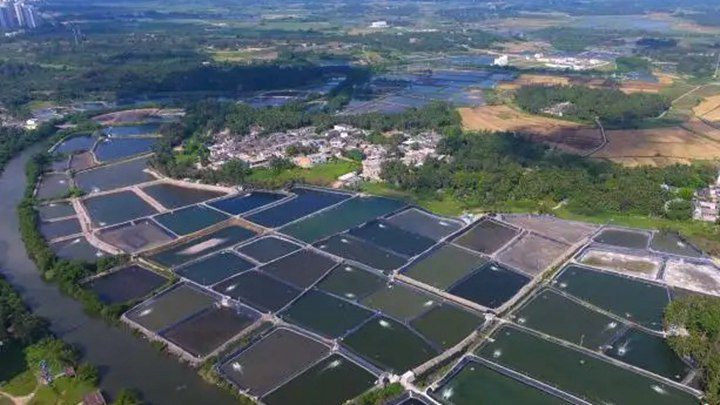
{"points": [[18, 14]]}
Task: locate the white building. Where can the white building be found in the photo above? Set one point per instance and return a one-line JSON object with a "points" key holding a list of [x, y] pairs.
{"points": [[379, 24]]}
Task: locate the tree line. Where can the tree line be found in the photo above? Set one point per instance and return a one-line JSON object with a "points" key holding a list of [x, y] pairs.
{"points": [[611, 106], [501, 171]]}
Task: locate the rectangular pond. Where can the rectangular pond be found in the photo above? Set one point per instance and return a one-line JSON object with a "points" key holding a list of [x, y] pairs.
{"points": [[578, 373], [399, 301], [669, 242], [553, 314], [362, 252], [392, 238], [351, 213], [55, 210], [474, 383], [293, 353], [301, 269], [325, 314], [132, 130], [114, 176], [76, 144], [306, 202], [172, 306], [53, 186], [334, 380], [258, 290], [351, 282], [127, 284], [110, 149], [215, 268], [446, 325], [268, 249], [246, 202], [634, 300], [205, 245], [203, 333], [648, 352], [82, 161], [111, 209], [57, 229], [445, 266], [425, 224], [623, 238], [136, 236], [533, 254], [172, 196], [487, 236], [491, 286], [191, 219], [390, 345], [78, 249]]}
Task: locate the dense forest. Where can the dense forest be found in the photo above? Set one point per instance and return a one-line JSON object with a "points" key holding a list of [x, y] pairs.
{"points": [[699, 316], [611, 106], [16, 321], [501, 170]]}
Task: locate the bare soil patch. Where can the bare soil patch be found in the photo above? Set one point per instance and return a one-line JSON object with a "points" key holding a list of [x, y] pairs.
{"points": [[657, 147], [709, 108], [566, 135]]}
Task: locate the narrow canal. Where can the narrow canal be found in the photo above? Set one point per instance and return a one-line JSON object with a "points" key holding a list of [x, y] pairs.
{"points": [[124, 360]]}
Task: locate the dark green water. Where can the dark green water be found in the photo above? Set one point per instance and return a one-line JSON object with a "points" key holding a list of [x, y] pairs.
{"points": [[123, 359]]}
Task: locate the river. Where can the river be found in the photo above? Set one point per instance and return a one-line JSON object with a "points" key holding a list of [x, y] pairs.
{"points": [[124, 360]]}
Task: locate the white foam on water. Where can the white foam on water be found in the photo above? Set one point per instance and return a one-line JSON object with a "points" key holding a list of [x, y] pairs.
{"points": [[497, 353], [76, 241], [237, 367], [231, 287], [582, 361], [343, 240], [521, 320], [623, 349], [103, 223], [563, 285], [443, 223], [384, 323], [146, 312], [658, 389], [428, 303], [382, 226], [494, 268], [349, 269], [611, 325], [447, 393], [334, 364], [350, 295]]}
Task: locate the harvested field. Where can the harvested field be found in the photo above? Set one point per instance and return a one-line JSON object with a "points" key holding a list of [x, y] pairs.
{"points": [[559, 229], [533, 254], [566, 135], [638, 266], [709, 108], [695, 277], [703, 128], [530, 80], [657, 147]]}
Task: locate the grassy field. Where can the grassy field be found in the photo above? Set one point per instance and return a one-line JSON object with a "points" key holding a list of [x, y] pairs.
{"points": [[320, 175]]}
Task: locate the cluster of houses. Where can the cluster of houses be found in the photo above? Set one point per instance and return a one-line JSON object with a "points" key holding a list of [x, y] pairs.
{"points": [[306, 147], [706, 203]]}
